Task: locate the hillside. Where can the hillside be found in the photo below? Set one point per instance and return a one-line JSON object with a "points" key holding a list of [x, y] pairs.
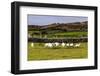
{"points": [[80, 26]]}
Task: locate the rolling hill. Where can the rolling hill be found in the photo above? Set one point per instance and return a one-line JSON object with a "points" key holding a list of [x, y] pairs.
{"points": [[75, 26]]}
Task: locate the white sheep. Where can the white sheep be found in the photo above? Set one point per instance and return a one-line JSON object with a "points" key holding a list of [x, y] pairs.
{"points": [[77, 45], [53, 44], [56, 44], [71, 44], [32, 44], [67, 44], [48, 45], [63, 44]]}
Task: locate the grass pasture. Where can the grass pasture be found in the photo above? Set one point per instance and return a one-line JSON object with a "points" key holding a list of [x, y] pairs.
{"points": [[39, 52], [57, 34]]}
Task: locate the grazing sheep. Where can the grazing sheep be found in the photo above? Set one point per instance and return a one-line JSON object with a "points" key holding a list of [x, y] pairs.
{"points": [[63, 44], [67, 44], [48, 45], [56, 44], [32, 44], [53, 44], [77, 45], [71, 44]]}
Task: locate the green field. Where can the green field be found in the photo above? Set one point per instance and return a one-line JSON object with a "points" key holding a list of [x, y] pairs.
{"points": [[39, 52], [53, 34]]}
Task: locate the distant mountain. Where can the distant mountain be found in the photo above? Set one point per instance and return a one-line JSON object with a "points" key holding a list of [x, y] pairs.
{"points": [[61, 26]]}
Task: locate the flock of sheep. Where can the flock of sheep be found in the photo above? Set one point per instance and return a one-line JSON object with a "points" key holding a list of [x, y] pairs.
{"points": [[56, 44]]}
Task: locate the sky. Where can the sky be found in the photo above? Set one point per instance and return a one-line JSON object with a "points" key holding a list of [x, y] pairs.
{"points": [[47, 19]]}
